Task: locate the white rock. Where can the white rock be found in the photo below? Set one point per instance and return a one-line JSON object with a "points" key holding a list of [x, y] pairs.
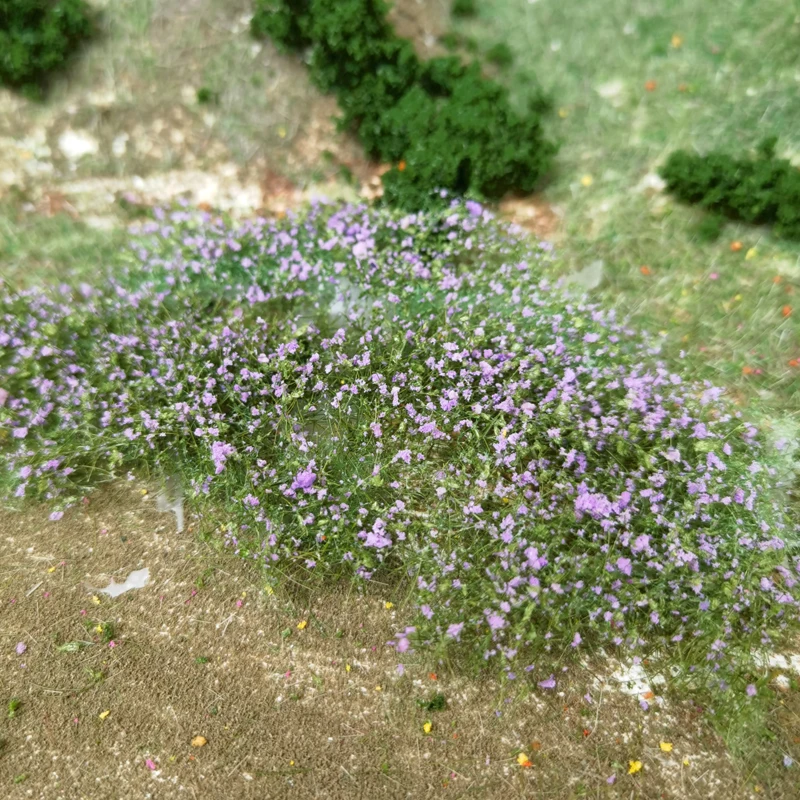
{"points": [[610, 89], [120, 145], [77, 144]]}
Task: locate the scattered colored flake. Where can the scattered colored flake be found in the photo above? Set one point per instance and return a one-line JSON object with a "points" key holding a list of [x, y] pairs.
{"points": [[524, 761], [104, 714], [666, 747], [301, 626], [427, 727], [634, 767]]}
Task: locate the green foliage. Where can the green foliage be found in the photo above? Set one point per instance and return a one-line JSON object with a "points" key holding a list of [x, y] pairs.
{"points": [[206, 96], [465, 8], [443, 124], [437, 703], [14, 705], [37, 37], [762, 191], [501, 55]]}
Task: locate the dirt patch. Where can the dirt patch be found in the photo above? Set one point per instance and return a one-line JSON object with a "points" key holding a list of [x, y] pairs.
{"points": [[534, 215], [113, 691]]}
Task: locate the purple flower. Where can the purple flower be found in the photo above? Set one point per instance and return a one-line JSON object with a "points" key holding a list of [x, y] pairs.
{"points": [[751, 690], [305, 479], [20, 433], [549, 683], [20, 648], [454, 630]]}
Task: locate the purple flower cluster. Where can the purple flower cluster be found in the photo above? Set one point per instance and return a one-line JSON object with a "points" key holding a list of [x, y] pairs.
{"points": [[385, 391]]}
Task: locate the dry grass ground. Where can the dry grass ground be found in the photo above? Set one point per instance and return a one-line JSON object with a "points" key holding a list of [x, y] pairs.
{"points": [[316, 711]]}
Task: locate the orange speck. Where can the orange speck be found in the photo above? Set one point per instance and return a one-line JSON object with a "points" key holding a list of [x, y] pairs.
{"points": [[777, 279], [736, 246], [401, 166], [433, 676], [794, 362], [650, 86], [786, 311], [586, 732], [648, 696], [645, 270], [747, 370], [536, 746]]}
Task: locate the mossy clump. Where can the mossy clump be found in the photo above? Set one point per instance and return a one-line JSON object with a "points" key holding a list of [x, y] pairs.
{"points": [[37, 37], [764, 190]]}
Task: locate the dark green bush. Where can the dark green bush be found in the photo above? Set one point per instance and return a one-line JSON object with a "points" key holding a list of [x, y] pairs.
{"points": [[763, 191], [37, 37], [500, 54], [465, 8], [443, 124]]}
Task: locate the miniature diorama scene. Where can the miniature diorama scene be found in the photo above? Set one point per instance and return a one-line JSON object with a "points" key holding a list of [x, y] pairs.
{"points": [[400, 400]]}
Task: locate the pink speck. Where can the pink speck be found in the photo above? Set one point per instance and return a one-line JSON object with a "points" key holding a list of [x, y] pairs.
{"points": [[287, 674], [46, 595], [239, 604], [713, 276], [21, 648], [83, 612], [112, 644], [150, 764]]}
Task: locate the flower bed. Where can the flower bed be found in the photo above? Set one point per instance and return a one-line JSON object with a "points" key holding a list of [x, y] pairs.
{"points": [[386, 394]]}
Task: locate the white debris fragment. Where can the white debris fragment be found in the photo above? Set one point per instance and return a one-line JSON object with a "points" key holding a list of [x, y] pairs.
{"points": [[651, 182], [589, 277], [138, 579], [171, 499]]}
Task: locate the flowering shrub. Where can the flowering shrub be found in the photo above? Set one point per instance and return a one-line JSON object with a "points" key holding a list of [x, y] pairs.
{"points": [[374, 392], [37, 36], [442, 123]]}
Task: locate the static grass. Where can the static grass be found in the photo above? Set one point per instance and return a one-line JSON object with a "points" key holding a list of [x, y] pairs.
{"points": [[35, 248], [723, 76]]}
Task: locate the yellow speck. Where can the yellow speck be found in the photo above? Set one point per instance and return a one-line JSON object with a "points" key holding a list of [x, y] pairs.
{"points": [[104, 714], [143, 492], [388, 605], [427, 727], [634, 767], [587, 180], [95, 599], [378, 689], [737, 297], [291, 763], [676, 41], [269, 590], [685, 762], [347, 668], [751, 253], [244, 594], [666, 747], [51, 570], [563, 113], [282, 132], [199, 741], [302, 625], [99, 629]]}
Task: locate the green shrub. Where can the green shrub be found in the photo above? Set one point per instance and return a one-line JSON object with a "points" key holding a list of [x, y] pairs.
{"points": [[37, 37], [443, 124], [465, 8], [501, 55], [762, 191]]}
